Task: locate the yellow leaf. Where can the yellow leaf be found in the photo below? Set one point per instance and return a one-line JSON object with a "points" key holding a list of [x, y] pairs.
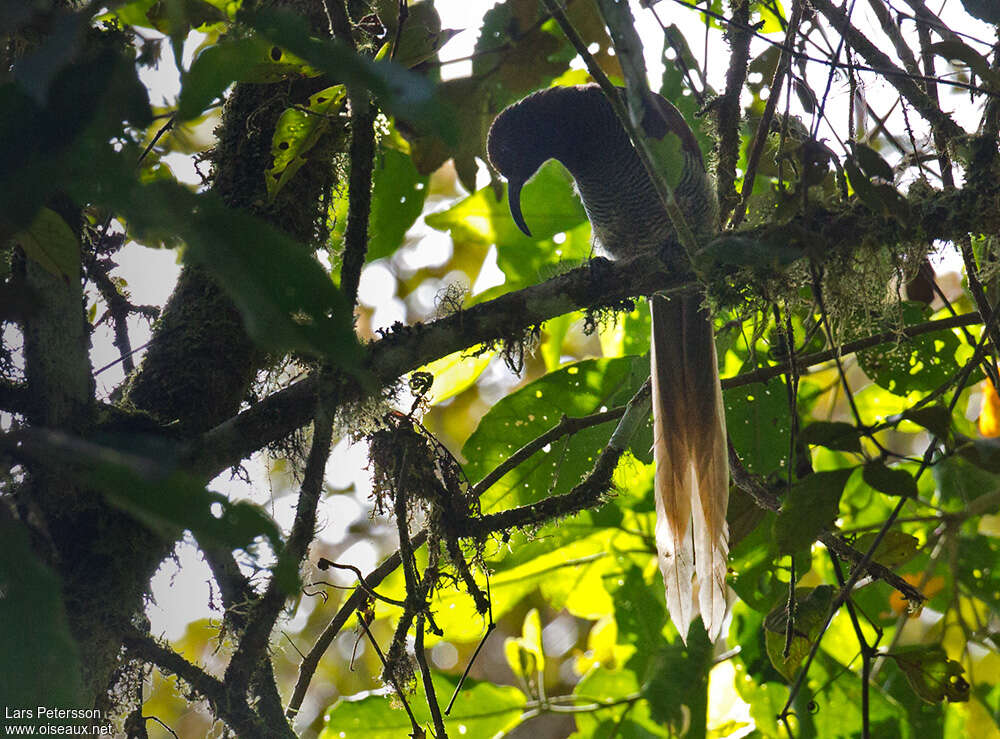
{"points": [[989, 417]]}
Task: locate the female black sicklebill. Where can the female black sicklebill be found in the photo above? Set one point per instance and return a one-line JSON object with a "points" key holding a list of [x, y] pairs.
{"points": [[578, 127]]}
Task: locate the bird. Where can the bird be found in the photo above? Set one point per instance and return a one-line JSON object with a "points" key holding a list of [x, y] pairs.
{"points": [[578, 126]]}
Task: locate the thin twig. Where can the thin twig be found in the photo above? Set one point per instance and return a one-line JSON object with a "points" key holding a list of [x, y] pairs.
{"points": [[425, 673], [309, 665], [882, 64], [764, 125]]}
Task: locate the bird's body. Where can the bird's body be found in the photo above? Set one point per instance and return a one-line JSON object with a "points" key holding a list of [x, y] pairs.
{"points": [[578, 127]]}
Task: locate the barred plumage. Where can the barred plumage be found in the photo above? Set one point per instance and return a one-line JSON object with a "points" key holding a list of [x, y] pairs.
{"points": [[578, 127]]}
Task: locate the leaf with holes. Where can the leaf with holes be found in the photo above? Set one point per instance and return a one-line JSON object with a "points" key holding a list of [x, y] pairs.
{"points": [[757, 421], [577, 390], [244, 60], [296, 132], [920, 363], [931, 674]]}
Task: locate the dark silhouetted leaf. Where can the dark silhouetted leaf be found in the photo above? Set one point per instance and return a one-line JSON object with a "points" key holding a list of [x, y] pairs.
{"points": [[41, 665], [287, 300], [242, 60], [931, 674], [889, 480], [980, 65], [400, 92], [872, 162], [811, 506], [934, 418], [985, 10], [833, 435]]}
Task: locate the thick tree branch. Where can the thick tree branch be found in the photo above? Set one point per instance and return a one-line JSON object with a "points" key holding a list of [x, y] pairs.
{"points": [[946, 216], [253, 642], [236, 714], [410, 347]]}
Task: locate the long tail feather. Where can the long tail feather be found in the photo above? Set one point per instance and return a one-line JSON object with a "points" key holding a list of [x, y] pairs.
{"points": [[692, 468]]}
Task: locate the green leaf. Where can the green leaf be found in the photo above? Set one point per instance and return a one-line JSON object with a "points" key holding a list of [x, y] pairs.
{"points": [[41, 664], [934, 418], [895, 548], [772, 22], [811, 608], [241, 60], [626, 715], [576, 390], [931, 674], [400, 92], [961, 482], [297, 131], [811, 506], [481, 710], [570, 576], [456, 372], [980, 65], [880, 197], [833, 435], [422, 36], [550, 206], [640, 613], [976, 567], [872, 162], [674, 85], [752, 561], [398, 194], [287, 300], [921, 363], [757, 421], [51, 242], [889, 480]]}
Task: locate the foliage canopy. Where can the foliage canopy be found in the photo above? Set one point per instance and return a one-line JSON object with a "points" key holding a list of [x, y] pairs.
{"points": [[506, 462]]}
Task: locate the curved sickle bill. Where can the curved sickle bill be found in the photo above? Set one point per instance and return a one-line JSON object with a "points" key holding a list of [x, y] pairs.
{"points": [[514, 201]]}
